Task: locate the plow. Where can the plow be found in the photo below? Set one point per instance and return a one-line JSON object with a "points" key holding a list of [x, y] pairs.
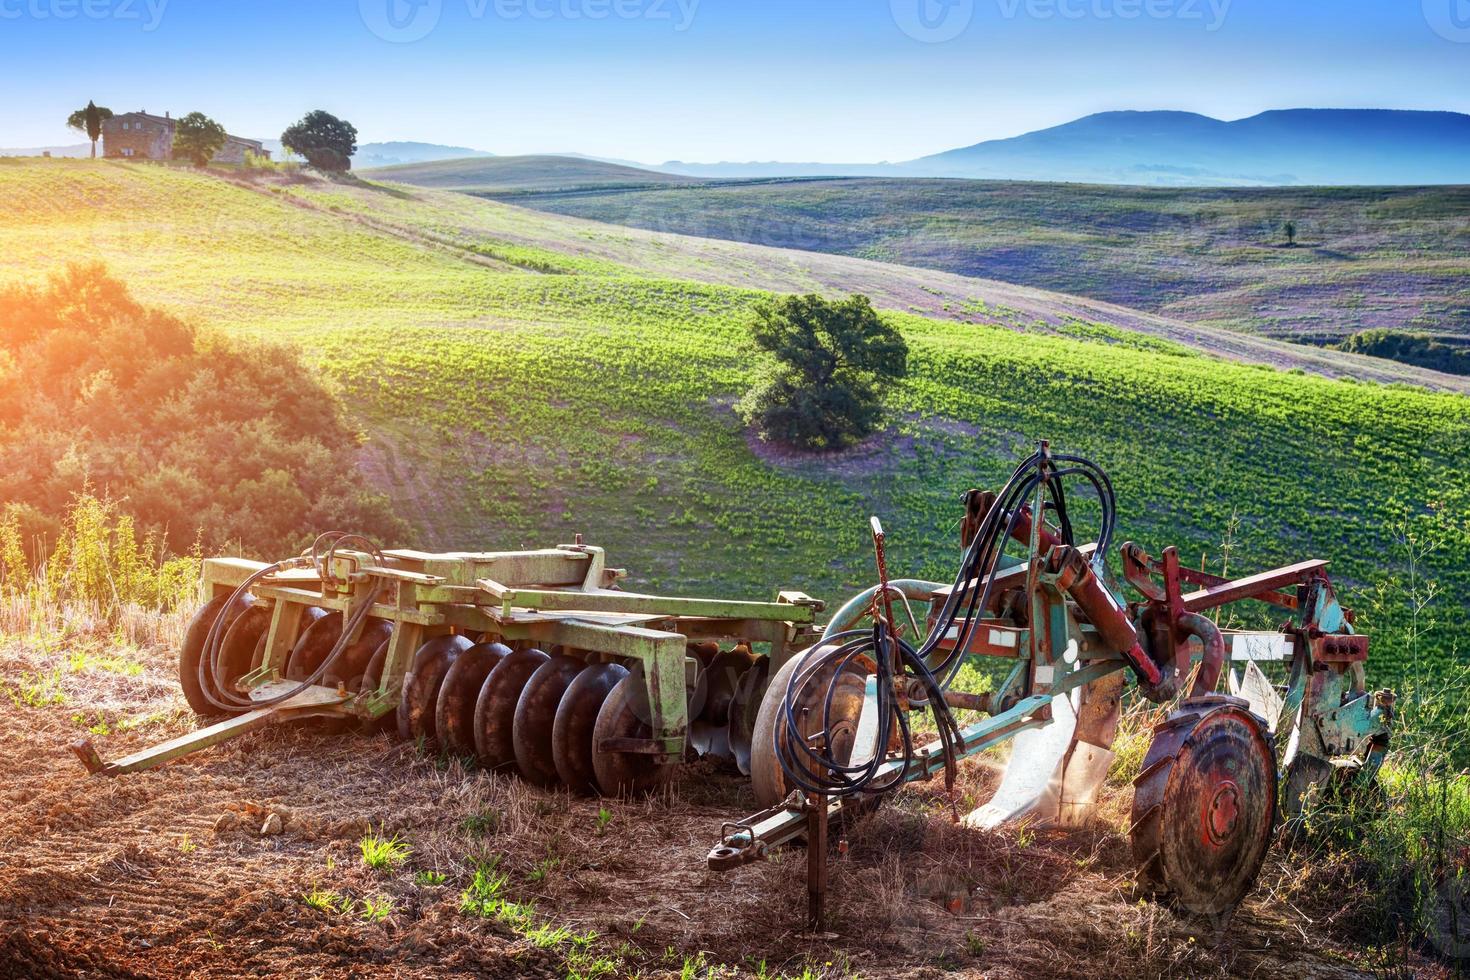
{"points": [[537, 664]]}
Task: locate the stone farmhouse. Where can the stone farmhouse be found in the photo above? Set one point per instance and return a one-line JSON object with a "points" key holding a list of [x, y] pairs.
{"points": [[143, 136]]}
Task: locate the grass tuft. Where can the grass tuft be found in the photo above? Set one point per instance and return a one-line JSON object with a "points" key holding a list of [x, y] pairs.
{"points": [[383, 854]]}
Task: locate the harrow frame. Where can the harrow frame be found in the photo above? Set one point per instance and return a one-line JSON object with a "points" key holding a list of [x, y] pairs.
{"points": [[563, 596]]}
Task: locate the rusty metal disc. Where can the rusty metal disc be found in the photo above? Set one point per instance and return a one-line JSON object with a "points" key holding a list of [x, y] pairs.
{"points": [[421, 683], [455, 713], [309, 615], [1204, 805], [352, 665], [495, 710], [535, 718], [710, 741], [576, 717], [237, 650], [744, 707], [696, 688], [624, 715], [372, 678], [193, 650], [315, 642], [724, 672]]}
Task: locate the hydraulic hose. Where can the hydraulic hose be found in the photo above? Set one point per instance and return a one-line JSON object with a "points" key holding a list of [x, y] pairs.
{"points": [[849, 656], [231, 702]]}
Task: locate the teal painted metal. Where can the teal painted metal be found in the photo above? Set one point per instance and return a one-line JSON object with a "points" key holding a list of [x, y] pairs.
{"points": [[1340, 727]]}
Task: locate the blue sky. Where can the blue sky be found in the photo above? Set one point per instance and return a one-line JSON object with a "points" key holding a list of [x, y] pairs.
{"points": [[652, 80]]}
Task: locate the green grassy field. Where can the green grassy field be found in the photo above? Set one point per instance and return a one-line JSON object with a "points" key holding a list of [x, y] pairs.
{"points": [[525, 173], [1365, 257], [521, 377]]}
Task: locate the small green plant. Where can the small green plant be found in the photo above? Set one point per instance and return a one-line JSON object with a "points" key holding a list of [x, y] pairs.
{"points": [[429, 879], [83, 662], [547, 936], [974, 944], [187, 846], [483, 896], [382, 854], [37, 690], [692, 967], [376, 909], [520, 917], [485, 822], [604, 817], [94, 724], [326, 900], [543, 869]]}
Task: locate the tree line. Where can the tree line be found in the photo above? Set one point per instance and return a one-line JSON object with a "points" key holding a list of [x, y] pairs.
{"points": [[324, 141]]}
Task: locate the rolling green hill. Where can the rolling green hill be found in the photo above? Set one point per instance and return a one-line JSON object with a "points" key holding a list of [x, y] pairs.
{"points": [[1395, 258], [519, 174], [521, 377]]}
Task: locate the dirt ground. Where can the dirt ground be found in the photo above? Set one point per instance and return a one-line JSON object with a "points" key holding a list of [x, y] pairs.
{"points": [[167, 873]]}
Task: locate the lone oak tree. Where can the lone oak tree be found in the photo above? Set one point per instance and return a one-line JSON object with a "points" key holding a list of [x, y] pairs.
{"points": [[197, 138], [325, 141], [824, 389]]}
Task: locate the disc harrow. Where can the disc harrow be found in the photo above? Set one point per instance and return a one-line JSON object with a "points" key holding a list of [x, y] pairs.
{"points": [[533, 663]]}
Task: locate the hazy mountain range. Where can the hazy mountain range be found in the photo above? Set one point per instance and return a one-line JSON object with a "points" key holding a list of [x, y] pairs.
{"points": [[1281, 147], [1291, 146]]}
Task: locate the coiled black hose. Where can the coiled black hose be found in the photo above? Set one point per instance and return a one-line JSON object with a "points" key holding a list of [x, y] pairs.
{"points": [[209, 661], [808, 758]]}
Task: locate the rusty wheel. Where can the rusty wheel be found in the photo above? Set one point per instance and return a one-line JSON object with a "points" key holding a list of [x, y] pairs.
{"points": [[845, 707], [237, 649], [193, 651], [420, 701], [625, 714], [495, 710], [571, 734], [535, 718], [1204, 806], [454, 716], [743, 711]]}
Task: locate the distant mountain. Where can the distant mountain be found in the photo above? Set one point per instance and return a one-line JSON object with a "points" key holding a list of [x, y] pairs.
{"points": [[1283, 147], [521, 174], [1292, 146], [729, 169], [390, 154]]}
